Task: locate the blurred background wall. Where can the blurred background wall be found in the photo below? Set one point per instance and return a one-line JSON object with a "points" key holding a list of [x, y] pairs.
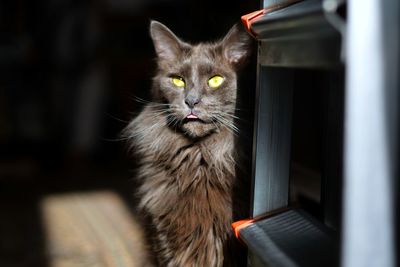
{"points": [[69, 74]]}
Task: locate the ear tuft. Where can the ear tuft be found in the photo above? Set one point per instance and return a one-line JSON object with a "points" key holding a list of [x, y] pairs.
{"points": [[167, 45], [236, 45]]}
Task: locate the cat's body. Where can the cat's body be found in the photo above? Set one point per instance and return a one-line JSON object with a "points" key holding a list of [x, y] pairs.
{"points": [[185, 141], [187, 191]]}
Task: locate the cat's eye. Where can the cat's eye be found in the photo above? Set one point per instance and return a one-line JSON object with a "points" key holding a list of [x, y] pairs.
{"points": [[178, 81], [215, 81]]}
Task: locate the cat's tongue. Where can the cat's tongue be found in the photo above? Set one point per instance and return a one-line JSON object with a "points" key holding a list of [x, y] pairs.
{"points": [[191, 116]]}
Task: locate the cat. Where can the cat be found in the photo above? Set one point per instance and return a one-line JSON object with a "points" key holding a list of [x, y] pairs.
{"points": [[185, 142]]}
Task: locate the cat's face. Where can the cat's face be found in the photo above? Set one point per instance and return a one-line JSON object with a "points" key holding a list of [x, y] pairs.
{"points": [[198, 82]]}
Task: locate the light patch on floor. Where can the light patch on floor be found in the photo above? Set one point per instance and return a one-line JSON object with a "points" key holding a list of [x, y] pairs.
{"points": [[92, 229]]}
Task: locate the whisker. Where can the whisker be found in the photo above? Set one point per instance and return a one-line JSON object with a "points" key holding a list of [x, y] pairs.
{"points": [[231, 125], [114, 140], [230, 115], [144, 101], [216, 126], [140, 100], [115, 118], [227, 123], [145, 130]]}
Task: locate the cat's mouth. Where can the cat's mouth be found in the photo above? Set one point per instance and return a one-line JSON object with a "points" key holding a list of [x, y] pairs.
{"points": [[192, 116], [195, 125]]}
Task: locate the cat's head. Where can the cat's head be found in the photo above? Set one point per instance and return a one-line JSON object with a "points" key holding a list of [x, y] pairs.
{"points": [[198, 82]]}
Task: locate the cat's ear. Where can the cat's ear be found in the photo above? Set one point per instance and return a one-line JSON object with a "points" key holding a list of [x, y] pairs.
{"points": [[236, 46], [167, 45]]}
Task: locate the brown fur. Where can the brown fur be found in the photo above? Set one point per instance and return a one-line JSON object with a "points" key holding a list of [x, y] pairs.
{"points": [[188, 167]]}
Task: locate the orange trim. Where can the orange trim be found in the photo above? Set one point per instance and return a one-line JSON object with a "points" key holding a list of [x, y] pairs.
{"points": [[239, 225], [248, 19]]}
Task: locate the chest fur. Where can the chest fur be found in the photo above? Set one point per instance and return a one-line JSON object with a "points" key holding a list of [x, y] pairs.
{"points": [[185, 171]]}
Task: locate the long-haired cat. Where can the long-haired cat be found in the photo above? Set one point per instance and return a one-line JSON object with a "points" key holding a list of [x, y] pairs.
{"points": [[185, 142]]}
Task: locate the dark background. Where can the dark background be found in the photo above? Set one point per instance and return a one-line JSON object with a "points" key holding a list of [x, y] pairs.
{"points": [[70, 72]]}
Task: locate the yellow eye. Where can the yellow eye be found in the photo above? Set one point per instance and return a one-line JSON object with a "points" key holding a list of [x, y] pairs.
{"points": [[215, 81], [178, 81]]}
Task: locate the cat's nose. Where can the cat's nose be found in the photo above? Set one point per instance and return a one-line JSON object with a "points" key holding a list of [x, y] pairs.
{"points": [[191, 101]]}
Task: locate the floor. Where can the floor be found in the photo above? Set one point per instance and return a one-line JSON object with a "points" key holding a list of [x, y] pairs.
{"points": [[69, 220], [91, 229]]}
